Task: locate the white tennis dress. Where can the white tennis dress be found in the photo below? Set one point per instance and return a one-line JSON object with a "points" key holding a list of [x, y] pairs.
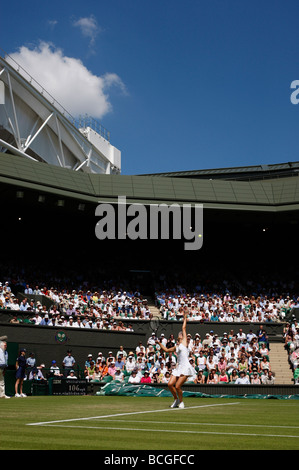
{"points": [[183, 366]]}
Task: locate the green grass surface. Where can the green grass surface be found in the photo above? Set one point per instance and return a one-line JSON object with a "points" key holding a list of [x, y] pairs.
{"points": [[129, 423]]}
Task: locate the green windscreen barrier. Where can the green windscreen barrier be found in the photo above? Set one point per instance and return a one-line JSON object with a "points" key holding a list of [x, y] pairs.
{"points": [[118, 389]]}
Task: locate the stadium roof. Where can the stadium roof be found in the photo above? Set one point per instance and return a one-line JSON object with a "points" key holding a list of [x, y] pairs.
{"points": [[269, 195], [243, 173]]}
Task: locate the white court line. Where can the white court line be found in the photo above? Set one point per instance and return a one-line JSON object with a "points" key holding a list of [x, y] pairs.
{"points": [[100, 428], [128, 414], [196, 423]]}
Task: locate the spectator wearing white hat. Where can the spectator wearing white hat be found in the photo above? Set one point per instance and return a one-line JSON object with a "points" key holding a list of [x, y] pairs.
{"points": [[130, 363]]}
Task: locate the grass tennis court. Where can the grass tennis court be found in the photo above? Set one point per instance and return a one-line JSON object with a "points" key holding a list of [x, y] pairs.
{"points": [[133, 423]]}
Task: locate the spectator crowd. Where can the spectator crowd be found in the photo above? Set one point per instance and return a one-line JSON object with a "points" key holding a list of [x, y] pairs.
{"points": [[105, 309], [102, 309], [224, 307], [233, 359]]}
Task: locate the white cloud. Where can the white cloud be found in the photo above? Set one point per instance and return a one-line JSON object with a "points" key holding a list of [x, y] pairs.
{"points": [[77, 89], [89, 27], [52, 23]]}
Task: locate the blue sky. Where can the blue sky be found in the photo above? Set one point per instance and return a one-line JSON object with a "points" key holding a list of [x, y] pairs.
{"points": [[185, 85]]}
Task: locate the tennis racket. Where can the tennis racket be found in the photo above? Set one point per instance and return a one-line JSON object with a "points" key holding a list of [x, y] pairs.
{"points": [[154, 324]]}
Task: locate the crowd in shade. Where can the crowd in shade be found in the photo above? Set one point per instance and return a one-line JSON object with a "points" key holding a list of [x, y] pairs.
{"points": [[106, 307], [225, 307], [102, 309], [68, 297], [253, 293]]}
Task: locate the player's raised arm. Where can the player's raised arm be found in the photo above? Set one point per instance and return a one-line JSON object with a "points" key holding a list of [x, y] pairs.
{"points": [[184, 327]]}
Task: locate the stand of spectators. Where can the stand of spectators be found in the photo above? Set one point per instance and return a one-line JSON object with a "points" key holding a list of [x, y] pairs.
{"points": [[224, 307], [234, 358], [99, 309]]}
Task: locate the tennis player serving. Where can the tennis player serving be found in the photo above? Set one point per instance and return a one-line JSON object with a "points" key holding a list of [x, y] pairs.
{"points": [[183, 368]]}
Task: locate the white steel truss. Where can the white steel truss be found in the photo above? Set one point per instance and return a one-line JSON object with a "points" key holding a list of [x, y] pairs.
{"points": [[35, 126]]}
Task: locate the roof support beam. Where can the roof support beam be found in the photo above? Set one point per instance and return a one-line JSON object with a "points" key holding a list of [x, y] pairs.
{"points": [[16, 151], [38, 131], [17, 131]]}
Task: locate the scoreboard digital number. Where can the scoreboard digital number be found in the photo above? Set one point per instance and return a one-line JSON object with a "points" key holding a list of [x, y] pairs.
{"points": [[69, 387]]}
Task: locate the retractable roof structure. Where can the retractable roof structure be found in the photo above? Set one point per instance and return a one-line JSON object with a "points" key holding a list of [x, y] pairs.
{"points": [[35, 126]]}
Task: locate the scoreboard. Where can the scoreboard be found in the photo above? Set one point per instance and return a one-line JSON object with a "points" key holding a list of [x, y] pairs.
{"points": [[69, 387]]}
